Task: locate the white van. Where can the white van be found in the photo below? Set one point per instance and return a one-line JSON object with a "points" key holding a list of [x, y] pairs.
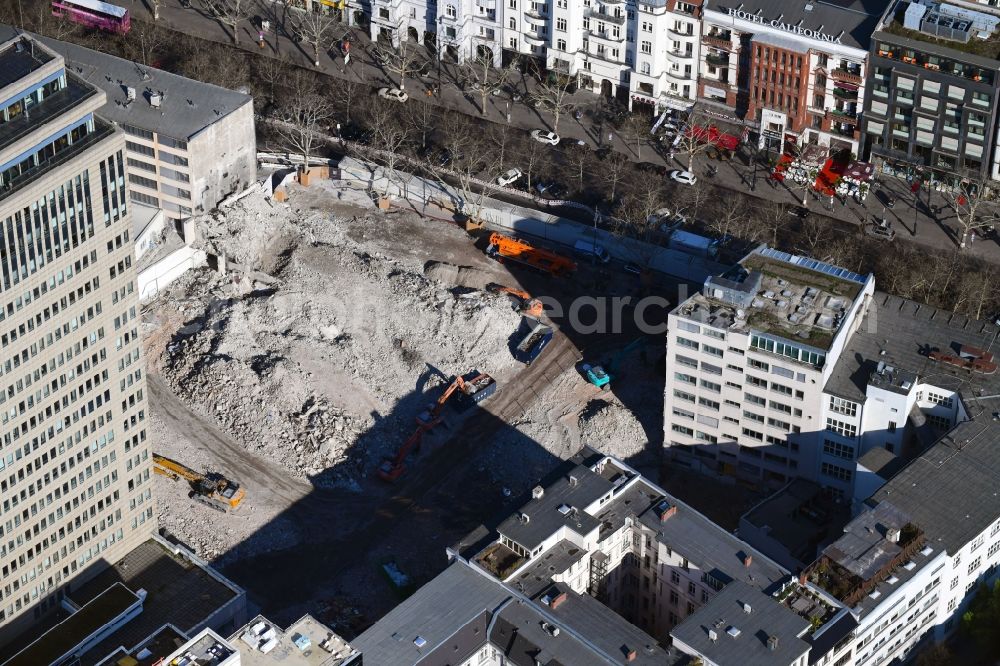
{"points": [[588, 249]]}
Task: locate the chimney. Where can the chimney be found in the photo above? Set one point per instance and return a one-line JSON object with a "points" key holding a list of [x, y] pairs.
{"points": [[557, 600], [803, 578], [665, 510], [537, 492], [747, 560], [892, 534], [772, 643], [630, 655]]}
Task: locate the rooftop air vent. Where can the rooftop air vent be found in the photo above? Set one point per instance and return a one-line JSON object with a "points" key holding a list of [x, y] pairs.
{"points": [[733, 632], [420, 641], [537, 492], [712, 635], [155, 99], [565, 509], [746, 608], [772, 643]]}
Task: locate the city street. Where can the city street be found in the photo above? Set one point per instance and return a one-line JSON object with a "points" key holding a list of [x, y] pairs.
{"points": [[911, 221]]}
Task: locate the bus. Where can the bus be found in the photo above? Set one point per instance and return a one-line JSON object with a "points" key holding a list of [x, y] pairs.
{"points": [[94, 14]]}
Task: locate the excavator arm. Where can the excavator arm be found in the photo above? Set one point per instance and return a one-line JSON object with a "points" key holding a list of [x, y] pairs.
{"points": [[174, 469]]}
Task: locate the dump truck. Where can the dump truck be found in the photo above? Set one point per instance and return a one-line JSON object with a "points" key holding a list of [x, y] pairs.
{"points": [[527, 306], [504, 248], [211, 488], [531, 345]]}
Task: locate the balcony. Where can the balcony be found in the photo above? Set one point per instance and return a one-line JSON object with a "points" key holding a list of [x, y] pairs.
{"points": [[680, 54], [844, 93], [717, 41], [535, 39], [601, 16], [717, 60], [846, 75], [606, 36], [841, 116]]}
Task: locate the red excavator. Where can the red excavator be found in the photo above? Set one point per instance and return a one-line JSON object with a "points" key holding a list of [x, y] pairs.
{"points": [[528, 306], [475, 389]]}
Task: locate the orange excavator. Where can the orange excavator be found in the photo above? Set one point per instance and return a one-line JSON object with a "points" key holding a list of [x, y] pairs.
{"points": [[504, 248], [479, 387], [528, 306]]}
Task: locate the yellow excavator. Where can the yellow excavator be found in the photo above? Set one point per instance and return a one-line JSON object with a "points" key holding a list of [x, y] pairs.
{"points": [[211, 488]]}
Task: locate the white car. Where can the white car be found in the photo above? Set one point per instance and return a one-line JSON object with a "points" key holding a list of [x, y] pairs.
{"points": [[683, 177], [544, 136], [508, 177], [666, 219], [393, 93]]}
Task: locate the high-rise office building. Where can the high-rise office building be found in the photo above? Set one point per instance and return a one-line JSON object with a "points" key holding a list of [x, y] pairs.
{"points": [[74, 462]]}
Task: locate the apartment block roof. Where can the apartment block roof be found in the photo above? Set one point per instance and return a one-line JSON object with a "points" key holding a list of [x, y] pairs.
{"points": [[561, 504], [187, 106], [852, 21], [741, 625], [20, 58], [902, 334]]}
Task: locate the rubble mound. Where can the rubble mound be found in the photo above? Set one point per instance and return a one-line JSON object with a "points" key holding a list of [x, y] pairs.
{"points": [[457, 276], [323, 370], [611, 428]]}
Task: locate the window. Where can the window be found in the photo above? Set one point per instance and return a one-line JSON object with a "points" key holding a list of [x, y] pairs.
{"points": [[138, 131], [756, 381], [837, 449], [139, 148], [753, 434], [938, 399], [681, 429], [646, 47], [647, 26], [760, 365], [974, 564], [681, 395], [753, 417], [174, 175], [711, 369], [688, 326], [172, 143], [841, 406], [711, 386], [139, 180], [684, 342], [714, 351], [138, 164], [836, 472], [711, 404], [144, 198], [841, 428], [561, 25], [687, 379], [754, 399], [645, 68], [561, 44]]}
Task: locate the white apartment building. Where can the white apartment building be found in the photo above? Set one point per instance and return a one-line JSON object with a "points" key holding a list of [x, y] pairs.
{"points": [[747, 362], [645, 53]]}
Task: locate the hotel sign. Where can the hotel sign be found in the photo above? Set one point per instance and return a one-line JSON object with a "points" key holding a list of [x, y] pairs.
{"points": [[787, 27]]}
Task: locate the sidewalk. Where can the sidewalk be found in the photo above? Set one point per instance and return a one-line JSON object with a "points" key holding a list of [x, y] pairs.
{"points": [[733, 175]]}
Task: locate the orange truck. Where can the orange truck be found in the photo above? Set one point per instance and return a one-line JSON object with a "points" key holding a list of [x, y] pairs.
{"points": [[504, 248]]}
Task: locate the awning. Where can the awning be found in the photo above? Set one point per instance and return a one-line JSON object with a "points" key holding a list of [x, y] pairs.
{"points": [[860, 171]]}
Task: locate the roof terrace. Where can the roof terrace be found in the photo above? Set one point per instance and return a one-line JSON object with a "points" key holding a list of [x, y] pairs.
{"points": [[20, 58], [944, 26], [780, 295]]}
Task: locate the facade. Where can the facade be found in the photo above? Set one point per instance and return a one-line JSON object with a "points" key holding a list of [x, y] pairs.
{"points": [[931, 106], [74, 472], [188, 144], [795, 72], [644, 53]]}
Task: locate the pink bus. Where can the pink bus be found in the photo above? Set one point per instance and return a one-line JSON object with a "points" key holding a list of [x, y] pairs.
{"points": [[94, 14]]}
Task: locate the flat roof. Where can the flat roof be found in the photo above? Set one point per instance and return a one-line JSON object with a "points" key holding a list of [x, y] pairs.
{"points": [[853, 21], [780, 295], [536, 578], [105, 607], [881, 462], [306, 642], [743, 620], [901, 334], [20, 58], [187, 106], [977, 51], [178, 592]]}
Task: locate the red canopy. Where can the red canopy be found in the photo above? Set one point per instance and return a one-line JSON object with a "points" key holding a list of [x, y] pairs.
{"points": [[711, 134]]}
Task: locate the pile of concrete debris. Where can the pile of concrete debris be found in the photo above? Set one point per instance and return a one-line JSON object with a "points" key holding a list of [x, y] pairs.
{"points": [[317, 349]]}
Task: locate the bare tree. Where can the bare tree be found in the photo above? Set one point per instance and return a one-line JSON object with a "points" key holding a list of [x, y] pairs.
{"points": [[972, 211], [636, 131], [615, 169], [212, 63], [693, 141], [727, 217], [774, 218], [390, 136], [535, 159], [554, 97], [351, 98], [500, 135], [304, 114], [147, 41], [273, 72], [582, 160], [459, 138], [231, 13], [317, 28], [402, 62], [643, 197], [488, 81], [420, 117]]}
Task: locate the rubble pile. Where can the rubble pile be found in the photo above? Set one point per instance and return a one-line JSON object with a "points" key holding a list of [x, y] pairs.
{"points": [[322, 367], [611, 428]]}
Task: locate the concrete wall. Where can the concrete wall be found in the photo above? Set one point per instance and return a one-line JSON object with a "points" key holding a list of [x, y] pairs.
{"points": [[154, 278], [223, 158]]}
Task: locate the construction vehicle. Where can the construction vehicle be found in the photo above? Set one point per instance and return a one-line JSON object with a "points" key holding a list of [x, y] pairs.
{"points": [[211, 488], [601, 375], [527, 306], [472, 388], [532, 344], [503, 248], [478, 387]]}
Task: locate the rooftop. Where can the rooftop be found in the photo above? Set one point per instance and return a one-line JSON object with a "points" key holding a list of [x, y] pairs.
{"points": [[187, 106], [108, 606], [902, 334], [205, 649], [800, 517], [20, 58], [560, 504], [307, 642], [158, 646], [178, 591], [881, 462], [851, 20], [741, 625], [983, 44], [778, 294]]}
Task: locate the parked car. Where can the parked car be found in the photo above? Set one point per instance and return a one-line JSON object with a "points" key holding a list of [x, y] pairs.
{"points": [[666, 219], [683, 177], [550, 188], [544, 136], [881, 228], [394, 94], [886, 198], [508, 177], [587, 249], [649, 167]]}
